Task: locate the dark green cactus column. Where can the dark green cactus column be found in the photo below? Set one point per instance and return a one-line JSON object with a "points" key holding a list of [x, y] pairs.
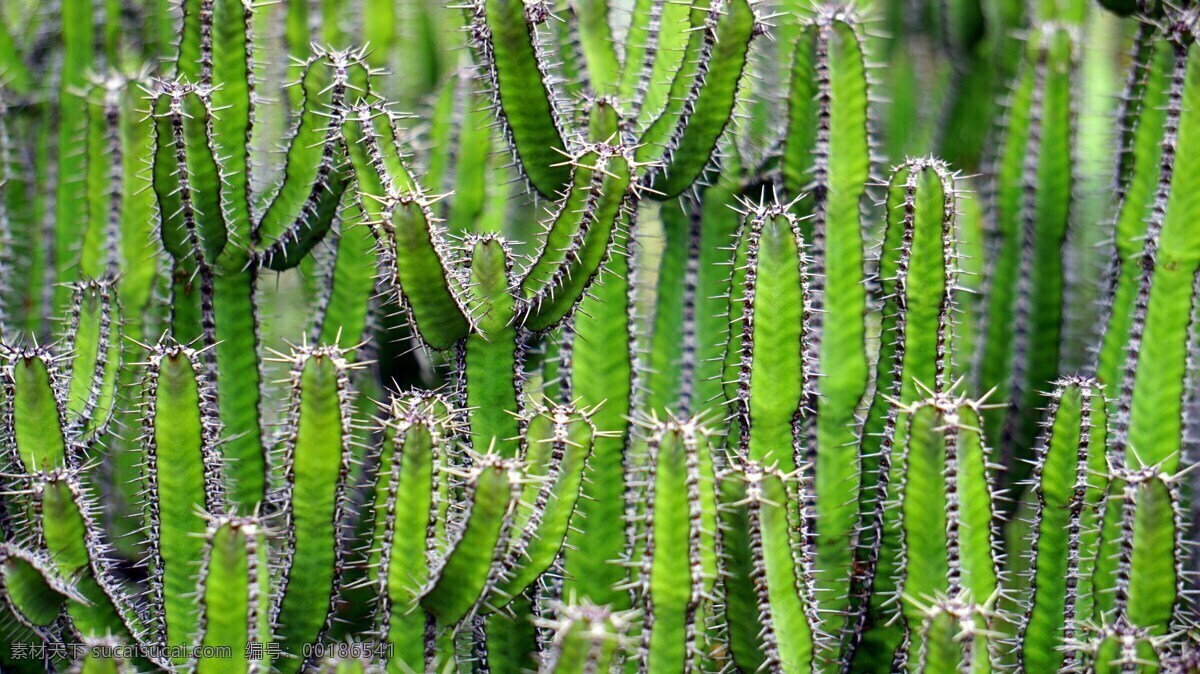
{"points": [[918, 271], [827, 154], [1033, 183]]}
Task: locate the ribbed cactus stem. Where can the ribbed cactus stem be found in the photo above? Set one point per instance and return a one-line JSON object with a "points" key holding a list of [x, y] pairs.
{"points": [[1034, 179], [942, 514], [1139, 575], [1148, 414], [234, 587], [312, 467], [769, 584], [181, 470], [1068, 484], [918, 269], [411, 503], [827, 154], [587, 640], [94, 336], [678, 575], [953, 637], [769, 359]]}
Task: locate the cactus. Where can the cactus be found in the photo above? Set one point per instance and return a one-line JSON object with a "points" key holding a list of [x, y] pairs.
{"points": [[667, 392]]}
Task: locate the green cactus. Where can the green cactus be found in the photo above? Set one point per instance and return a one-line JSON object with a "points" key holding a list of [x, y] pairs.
{"points": [[667, 393]]}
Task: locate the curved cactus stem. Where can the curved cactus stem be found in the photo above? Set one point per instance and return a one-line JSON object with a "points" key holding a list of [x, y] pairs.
{"points": [[234, 589], [411, 501], [491, 358], [33, 589], [331, 81], [314, 463], [558, 444], [73, 541], [192, 221], [576, 243], [504, 34], [465, 572], [1119, 647], [678, 575], [709, 101], [182, 479], [588, 639], [1034, 178], [412, 245], [827, 153], [918, 279], [769, 590], [511, 637], [93, 341]]}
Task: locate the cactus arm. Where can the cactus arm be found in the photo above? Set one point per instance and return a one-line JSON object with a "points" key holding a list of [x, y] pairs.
{"points": [[234, 589], [953, 637], [587, 640], [185, 163], [493, 354], [1034, 180], [315, 458], [1152, 564], [413, 249], [345, 310], [32, 587], [1135, 185], [34, 416], [917, 279], [408, 505], [558, 446], [73, 541], [504, 36], [679, 561], [771, 583], [330, 81], [669, 343], [182, 478], [603, 380], [462, 576], [94, 340], [1068, 485], [710, 103], [577, 242], [769, 336]]}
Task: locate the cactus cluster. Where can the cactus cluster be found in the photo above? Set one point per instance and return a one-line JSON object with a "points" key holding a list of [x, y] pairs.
{"points": [[583, 336]]}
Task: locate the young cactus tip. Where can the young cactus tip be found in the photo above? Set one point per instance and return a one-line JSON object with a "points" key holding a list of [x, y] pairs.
{"points": [[599, 336]]}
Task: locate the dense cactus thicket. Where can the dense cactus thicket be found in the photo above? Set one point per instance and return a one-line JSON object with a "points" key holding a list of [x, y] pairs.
{"points": [[598, 336]]}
